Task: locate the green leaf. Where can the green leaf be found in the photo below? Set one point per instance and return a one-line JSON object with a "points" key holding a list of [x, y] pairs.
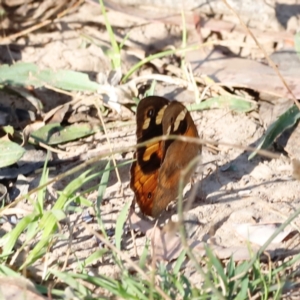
{"points": [[23, 74], [53, 134], [285, 121], [237, 104], [8, 129], [10, 153]]}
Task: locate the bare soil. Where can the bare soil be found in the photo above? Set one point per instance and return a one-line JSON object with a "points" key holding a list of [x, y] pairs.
{"points": [[231, 190]]}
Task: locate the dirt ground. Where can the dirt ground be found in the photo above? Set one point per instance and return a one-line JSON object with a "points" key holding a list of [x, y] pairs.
{"points": [[230, 190]]}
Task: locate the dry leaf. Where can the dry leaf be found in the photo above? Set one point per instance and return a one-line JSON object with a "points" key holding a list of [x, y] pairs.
{"points": [[31, 128], [57, 114], [260, 233], [245, 73], [165, 245]]}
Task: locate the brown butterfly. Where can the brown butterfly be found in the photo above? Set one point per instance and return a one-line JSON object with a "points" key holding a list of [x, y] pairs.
{"points": [[155, 174]]}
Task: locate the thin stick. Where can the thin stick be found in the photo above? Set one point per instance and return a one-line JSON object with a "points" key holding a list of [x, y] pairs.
{"points": [[95, 159]]}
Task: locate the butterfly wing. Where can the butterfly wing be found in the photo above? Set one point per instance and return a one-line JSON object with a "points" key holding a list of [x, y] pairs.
{"points": [[144, 171], [176, 155]]}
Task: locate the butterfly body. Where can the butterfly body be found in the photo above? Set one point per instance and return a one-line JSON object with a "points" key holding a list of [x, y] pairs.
{"points": [[155, 175]]}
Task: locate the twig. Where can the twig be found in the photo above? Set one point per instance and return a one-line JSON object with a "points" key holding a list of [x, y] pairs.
{"points": [[94, 160]]}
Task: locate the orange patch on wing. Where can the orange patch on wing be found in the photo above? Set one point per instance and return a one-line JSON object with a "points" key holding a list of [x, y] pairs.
{"points": [[191, 132], [154, 148], [142, 185]]}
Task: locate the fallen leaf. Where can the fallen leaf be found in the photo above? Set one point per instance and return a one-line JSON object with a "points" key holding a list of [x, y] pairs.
{"points": [[238, 72], [260, 233], [29, 129], [57, 114], [165, 245]]}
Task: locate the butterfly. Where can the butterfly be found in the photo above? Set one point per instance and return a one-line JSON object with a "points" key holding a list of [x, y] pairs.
{"points": [[155, 175]]}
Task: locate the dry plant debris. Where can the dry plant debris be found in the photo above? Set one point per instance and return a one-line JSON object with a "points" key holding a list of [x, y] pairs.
{"points": [[61, 97]]}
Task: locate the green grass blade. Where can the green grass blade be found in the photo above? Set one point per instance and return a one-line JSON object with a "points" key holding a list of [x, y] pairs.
{"points": [[32, 230], [230, 268], [213, 261], [72, 282], [154, 56], [120, 224], [243, 293], [133, 286], [115, 55], [59, 214], [95, 256], [179, 262], [101, 191], [42, 192], [107, 283], [8, 272], [9, 240], [80, 200], [151, 90], [49, 220], [144, 255]]}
